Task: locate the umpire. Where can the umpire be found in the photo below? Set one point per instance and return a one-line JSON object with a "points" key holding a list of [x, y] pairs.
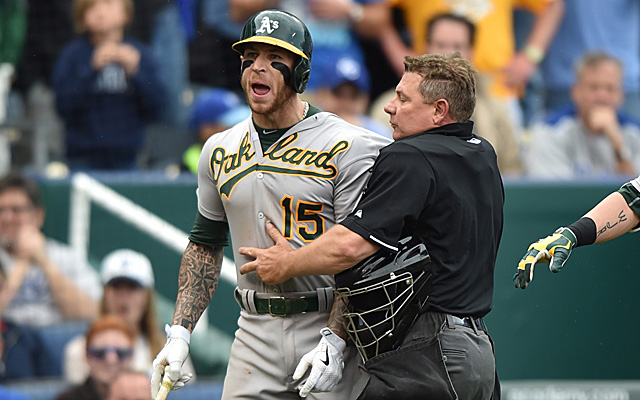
{"points": [[438, 182]]}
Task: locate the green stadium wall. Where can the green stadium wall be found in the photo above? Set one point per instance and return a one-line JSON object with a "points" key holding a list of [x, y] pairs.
{"points": [[582, 323]]}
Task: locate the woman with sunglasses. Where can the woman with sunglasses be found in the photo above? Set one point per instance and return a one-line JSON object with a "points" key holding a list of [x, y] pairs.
{"points": [[129, 293], [109, 351]]}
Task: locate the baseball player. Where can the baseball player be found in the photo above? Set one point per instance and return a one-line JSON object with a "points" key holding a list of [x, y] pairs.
{"points": [[303, 170], [617, 214]]}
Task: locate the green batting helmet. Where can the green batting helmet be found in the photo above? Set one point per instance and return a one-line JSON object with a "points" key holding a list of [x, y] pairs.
{"points": [[285, 30]]}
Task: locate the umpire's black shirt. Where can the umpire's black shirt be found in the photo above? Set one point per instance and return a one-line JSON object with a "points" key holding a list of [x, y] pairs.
{"points": [[444, 186]]}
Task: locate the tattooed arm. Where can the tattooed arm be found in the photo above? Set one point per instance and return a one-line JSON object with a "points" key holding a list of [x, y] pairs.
{"points": [[612, 217], [199, 276], [336, 318]]}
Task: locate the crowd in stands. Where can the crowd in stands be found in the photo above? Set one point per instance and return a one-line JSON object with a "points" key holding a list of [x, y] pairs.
{"points": [[97, 85], [118, 85]]}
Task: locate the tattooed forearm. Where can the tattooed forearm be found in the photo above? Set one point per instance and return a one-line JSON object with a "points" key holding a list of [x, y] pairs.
{"points": [[336, 318], [198, 279], [622, 217]]}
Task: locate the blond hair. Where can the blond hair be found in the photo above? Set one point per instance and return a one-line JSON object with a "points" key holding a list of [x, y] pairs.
{"points": [[446, 76], [80, 7]]}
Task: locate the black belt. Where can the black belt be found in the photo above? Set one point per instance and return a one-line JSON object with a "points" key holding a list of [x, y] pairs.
{"points": [[281, 306], [470, 322]]}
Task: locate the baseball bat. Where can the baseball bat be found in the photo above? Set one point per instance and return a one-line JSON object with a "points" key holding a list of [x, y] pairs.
{"points": [[165, 388]]}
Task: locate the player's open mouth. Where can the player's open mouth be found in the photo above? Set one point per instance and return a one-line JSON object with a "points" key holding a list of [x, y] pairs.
{"points": [[260, 89]]}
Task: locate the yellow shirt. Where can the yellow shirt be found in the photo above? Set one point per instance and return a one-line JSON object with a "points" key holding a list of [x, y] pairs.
{"points": [[494, 45]]}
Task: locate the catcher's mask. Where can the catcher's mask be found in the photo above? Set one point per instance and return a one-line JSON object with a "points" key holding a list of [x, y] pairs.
{"points": [[384, 294], [285, 30]]}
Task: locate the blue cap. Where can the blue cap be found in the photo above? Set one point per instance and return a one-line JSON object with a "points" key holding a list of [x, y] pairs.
{"points": [[217, 106], [345, 69]]}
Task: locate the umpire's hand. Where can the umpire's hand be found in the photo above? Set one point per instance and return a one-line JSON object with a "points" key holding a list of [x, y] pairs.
{"points": [[554, 249], [269, 264]]}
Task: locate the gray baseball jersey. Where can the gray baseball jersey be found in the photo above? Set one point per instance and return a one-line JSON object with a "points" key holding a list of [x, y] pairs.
{"points": [[305, 183]]}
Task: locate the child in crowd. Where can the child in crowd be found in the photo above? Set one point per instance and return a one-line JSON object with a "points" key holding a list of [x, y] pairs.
{"points": [[107, 88]]}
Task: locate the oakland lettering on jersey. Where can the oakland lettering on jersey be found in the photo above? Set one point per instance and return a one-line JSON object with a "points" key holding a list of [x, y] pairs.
{"points": [[316, 163]]}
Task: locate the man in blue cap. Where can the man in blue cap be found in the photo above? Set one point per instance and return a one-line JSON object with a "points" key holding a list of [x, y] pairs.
{"points": [[213, 111]]}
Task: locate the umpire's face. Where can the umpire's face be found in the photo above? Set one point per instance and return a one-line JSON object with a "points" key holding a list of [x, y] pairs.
{"points": [[408, 113]]}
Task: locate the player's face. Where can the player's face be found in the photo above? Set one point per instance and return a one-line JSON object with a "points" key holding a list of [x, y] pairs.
{"points": [[16, 211], [448, 36], [598, 86], [109, 353], [262, 83], [408, 114]]}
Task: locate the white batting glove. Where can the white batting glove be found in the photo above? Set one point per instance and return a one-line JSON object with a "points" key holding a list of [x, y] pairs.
{"points": [[326, 362], [170, 359]]}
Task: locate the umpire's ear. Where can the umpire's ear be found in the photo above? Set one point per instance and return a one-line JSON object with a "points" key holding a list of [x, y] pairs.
{"points": [[441, 111]]}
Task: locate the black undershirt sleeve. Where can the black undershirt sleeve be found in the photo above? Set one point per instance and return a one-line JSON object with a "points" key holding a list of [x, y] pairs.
{"points": [[209, 232], [585, 231]]}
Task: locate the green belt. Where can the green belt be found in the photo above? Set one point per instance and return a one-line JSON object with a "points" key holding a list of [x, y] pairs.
{"points": [[281, 306]]}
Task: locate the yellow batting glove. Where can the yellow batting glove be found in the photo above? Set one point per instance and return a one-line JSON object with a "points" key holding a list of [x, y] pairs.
{"points": [[554, 249]]}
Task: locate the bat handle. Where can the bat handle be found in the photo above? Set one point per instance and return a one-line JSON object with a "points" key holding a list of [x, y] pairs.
{"points": [[164, 389]]}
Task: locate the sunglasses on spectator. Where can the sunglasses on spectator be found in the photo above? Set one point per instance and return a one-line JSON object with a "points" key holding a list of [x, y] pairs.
{"points": [[101, 352]]}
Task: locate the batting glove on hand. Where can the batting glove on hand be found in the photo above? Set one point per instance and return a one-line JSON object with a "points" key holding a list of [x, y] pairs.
{"points": [[326, 362], [554, 249], [170, 359]]}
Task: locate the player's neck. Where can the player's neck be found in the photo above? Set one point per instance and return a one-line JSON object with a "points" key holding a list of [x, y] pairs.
{"points": [[285, 116]]}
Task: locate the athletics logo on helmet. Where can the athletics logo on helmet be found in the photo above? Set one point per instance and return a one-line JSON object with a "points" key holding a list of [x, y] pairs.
{"points": [[285, 30], [266, 26]]}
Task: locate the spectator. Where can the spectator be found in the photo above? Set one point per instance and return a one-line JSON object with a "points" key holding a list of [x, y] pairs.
{"points": [[130, 386], [593, 25], [591, 137], [107, 88], [213, 111], [495, 54], [448, 33], [129, 293], [344, 90], [165, 26], [47, 283], [32, 103], [108, 351], [12, 31], [212, 61]]}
